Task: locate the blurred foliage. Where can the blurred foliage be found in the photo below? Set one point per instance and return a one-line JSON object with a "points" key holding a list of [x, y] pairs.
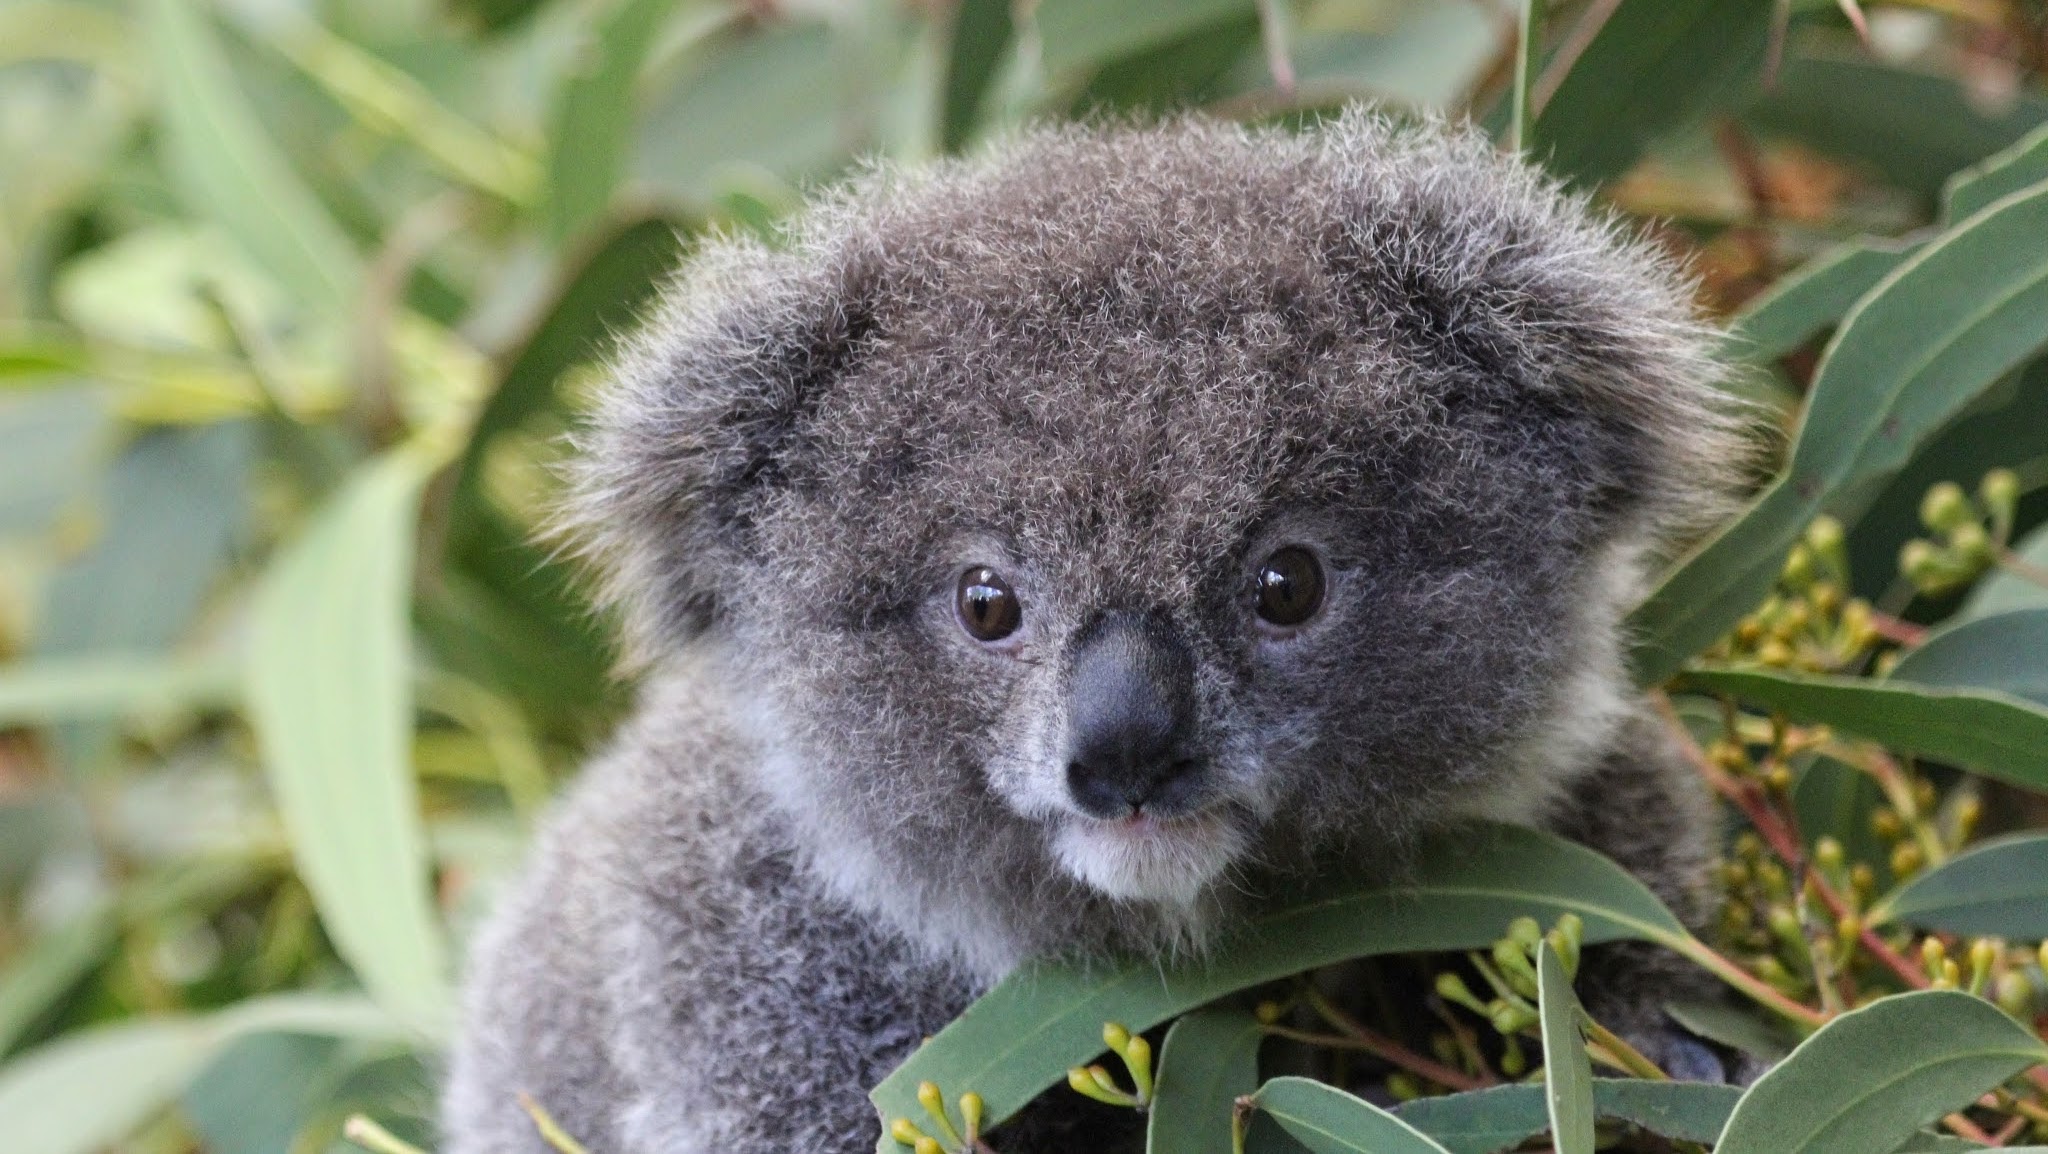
{"points": [[300, 295]]}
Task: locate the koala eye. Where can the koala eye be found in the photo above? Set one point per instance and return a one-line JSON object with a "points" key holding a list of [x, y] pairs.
{"points": [[1290, 586], [988, 606]]}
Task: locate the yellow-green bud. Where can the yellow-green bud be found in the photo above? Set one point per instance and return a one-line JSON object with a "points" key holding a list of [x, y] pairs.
{"points": [[1828, 853], [1932, 954], [972, 1108], [1403, 1087], [1138, 1059], [2043, 955], [1115, 1037], [1857, 626], [1452, 988], [904, 1132], [1514, 966], [1848, 928], [1779, 777], [1951, 976], [1794, 620], [1513, 1062], [1268, 1012], [1784, 924], [1945, 507], [1775, 653], [1798, 573], [1923, 794], [1885, 823], [1907, 859], [2015, 994], [1509, 1018], [1573, 927], [1825, 537], [1983, 955], [1525, 932], [928, 1146], [1971, 545], [1863, 880], [1826, 597], [2000, 490], [934, 1104], [1923, 564]]}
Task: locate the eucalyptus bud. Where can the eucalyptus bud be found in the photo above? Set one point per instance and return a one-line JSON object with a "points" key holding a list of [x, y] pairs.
{"points": [[1798, 572], [1403, 1087], [1825, 537], [1452, 988], [2000, 491], [904, 1132], [1944, 507], [1971, 545], [1983, 955], [2014, 994], [1828, 853], [1907, 859], [934, 1104]]}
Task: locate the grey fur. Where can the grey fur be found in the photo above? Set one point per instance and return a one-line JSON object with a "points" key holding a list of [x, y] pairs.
{"points": [[1120, 364]]}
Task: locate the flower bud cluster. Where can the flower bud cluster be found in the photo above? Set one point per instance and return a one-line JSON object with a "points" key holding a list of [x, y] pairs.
{"points": [[1969, 533], [1809, 622]]}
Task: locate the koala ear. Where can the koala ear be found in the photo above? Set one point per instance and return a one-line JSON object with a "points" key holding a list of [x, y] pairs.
{"points": [[1533, 302], [696, 430]]}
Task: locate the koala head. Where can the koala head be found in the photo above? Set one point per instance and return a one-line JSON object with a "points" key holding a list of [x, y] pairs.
{"points": [[1092, 525]]}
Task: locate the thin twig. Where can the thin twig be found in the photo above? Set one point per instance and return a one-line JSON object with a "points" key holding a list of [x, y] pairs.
{"points": [[2022, 568], [1273, 31], [551, 1131], [370, 1136]]}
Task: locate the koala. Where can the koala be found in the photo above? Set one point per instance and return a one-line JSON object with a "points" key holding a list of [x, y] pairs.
{"points": [[1048, 553]]}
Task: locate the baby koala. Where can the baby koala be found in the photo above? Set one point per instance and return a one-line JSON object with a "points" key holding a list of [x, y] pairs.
{"points": [[1050, 552]]}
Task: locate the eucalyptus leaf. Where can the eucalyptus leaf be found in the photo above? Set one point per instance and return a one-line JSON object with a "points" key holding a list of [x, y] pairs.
{"points": [[49, 967], [1991, 733], [1209, 1061], [330, 694], [1083, 33], [1871, 1077], [1654, 66], [1024, 1035], [1567, 1069], [2022, 163], [2001, 591], [1815, 297], [89, 1089], [49, 443], [593, 115], [2007, 652], [1944, 326], [228, 170], [1501, 1117], [1329, 1121], [38, 692], [1996, 889]]}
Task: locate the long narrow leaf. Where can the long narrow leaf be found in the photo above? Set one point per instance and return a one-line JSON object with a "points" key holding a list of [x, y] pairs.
{"points": [[1026, 1033], [1567, 1071], [330, 693], [1931, 337], [1872, 1077]]}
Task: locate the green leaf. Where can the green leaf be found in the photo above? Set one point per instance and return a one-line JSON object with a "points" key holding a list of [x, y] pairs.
{"points": [[2001, 591], [255, 1096], [1083, 33], [48, 445], [1734, 1027], [1997, 889], [1655, 66], [2003, 173], [330, 695], [1329, 1121], [776, 99], [1835, 799], [981, 34], [1870, 1078], [227, 170], [2007, 652], [1913, 127], [91, 1089], [1209, 1061], [1500, 1117], [1567, 1070], [595, 113], [1468, 885], [94, 688], [174, 509], [1981, 730], [49, 967], [1942, 328], [1815, 297]]}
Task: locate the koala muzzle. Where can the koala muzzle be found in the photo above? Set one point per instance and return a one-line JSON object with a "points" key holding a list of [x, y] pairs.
{"points": [[1130, 716]]}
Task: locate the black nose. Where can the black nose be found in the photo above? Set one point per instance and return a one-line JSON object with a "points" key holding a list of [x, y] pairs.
{"points": [[1130, 710]]}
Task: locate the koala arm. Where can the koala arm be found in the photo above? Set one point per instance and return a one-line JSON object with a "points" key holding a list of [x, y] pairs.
{"points": [[1646, 809], [669, 979]]}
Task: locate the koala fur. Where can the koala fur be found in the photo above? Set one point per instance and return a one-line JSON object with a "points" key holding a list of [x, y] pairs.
{"points": [[1119, 365]]}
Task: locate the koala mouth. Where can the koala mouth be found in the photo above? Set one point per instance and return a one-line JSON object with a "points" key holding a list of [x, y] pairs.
{"points": [[1143, 857]]}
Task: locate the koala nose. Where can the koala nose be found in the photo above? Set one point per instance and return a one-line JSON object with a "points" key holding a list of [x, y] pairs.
{"points": [[1130, 708]]}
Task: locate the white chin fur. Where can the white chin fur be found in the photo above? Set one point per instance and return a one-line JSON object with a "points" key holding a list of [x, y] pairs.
{"points": [[1170, 863]]}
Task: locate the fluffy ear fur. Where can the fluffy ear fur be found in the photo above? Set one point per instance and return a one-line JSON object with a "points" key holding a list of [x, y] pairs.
{"points": [[1534, 314], [692, 436]]}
